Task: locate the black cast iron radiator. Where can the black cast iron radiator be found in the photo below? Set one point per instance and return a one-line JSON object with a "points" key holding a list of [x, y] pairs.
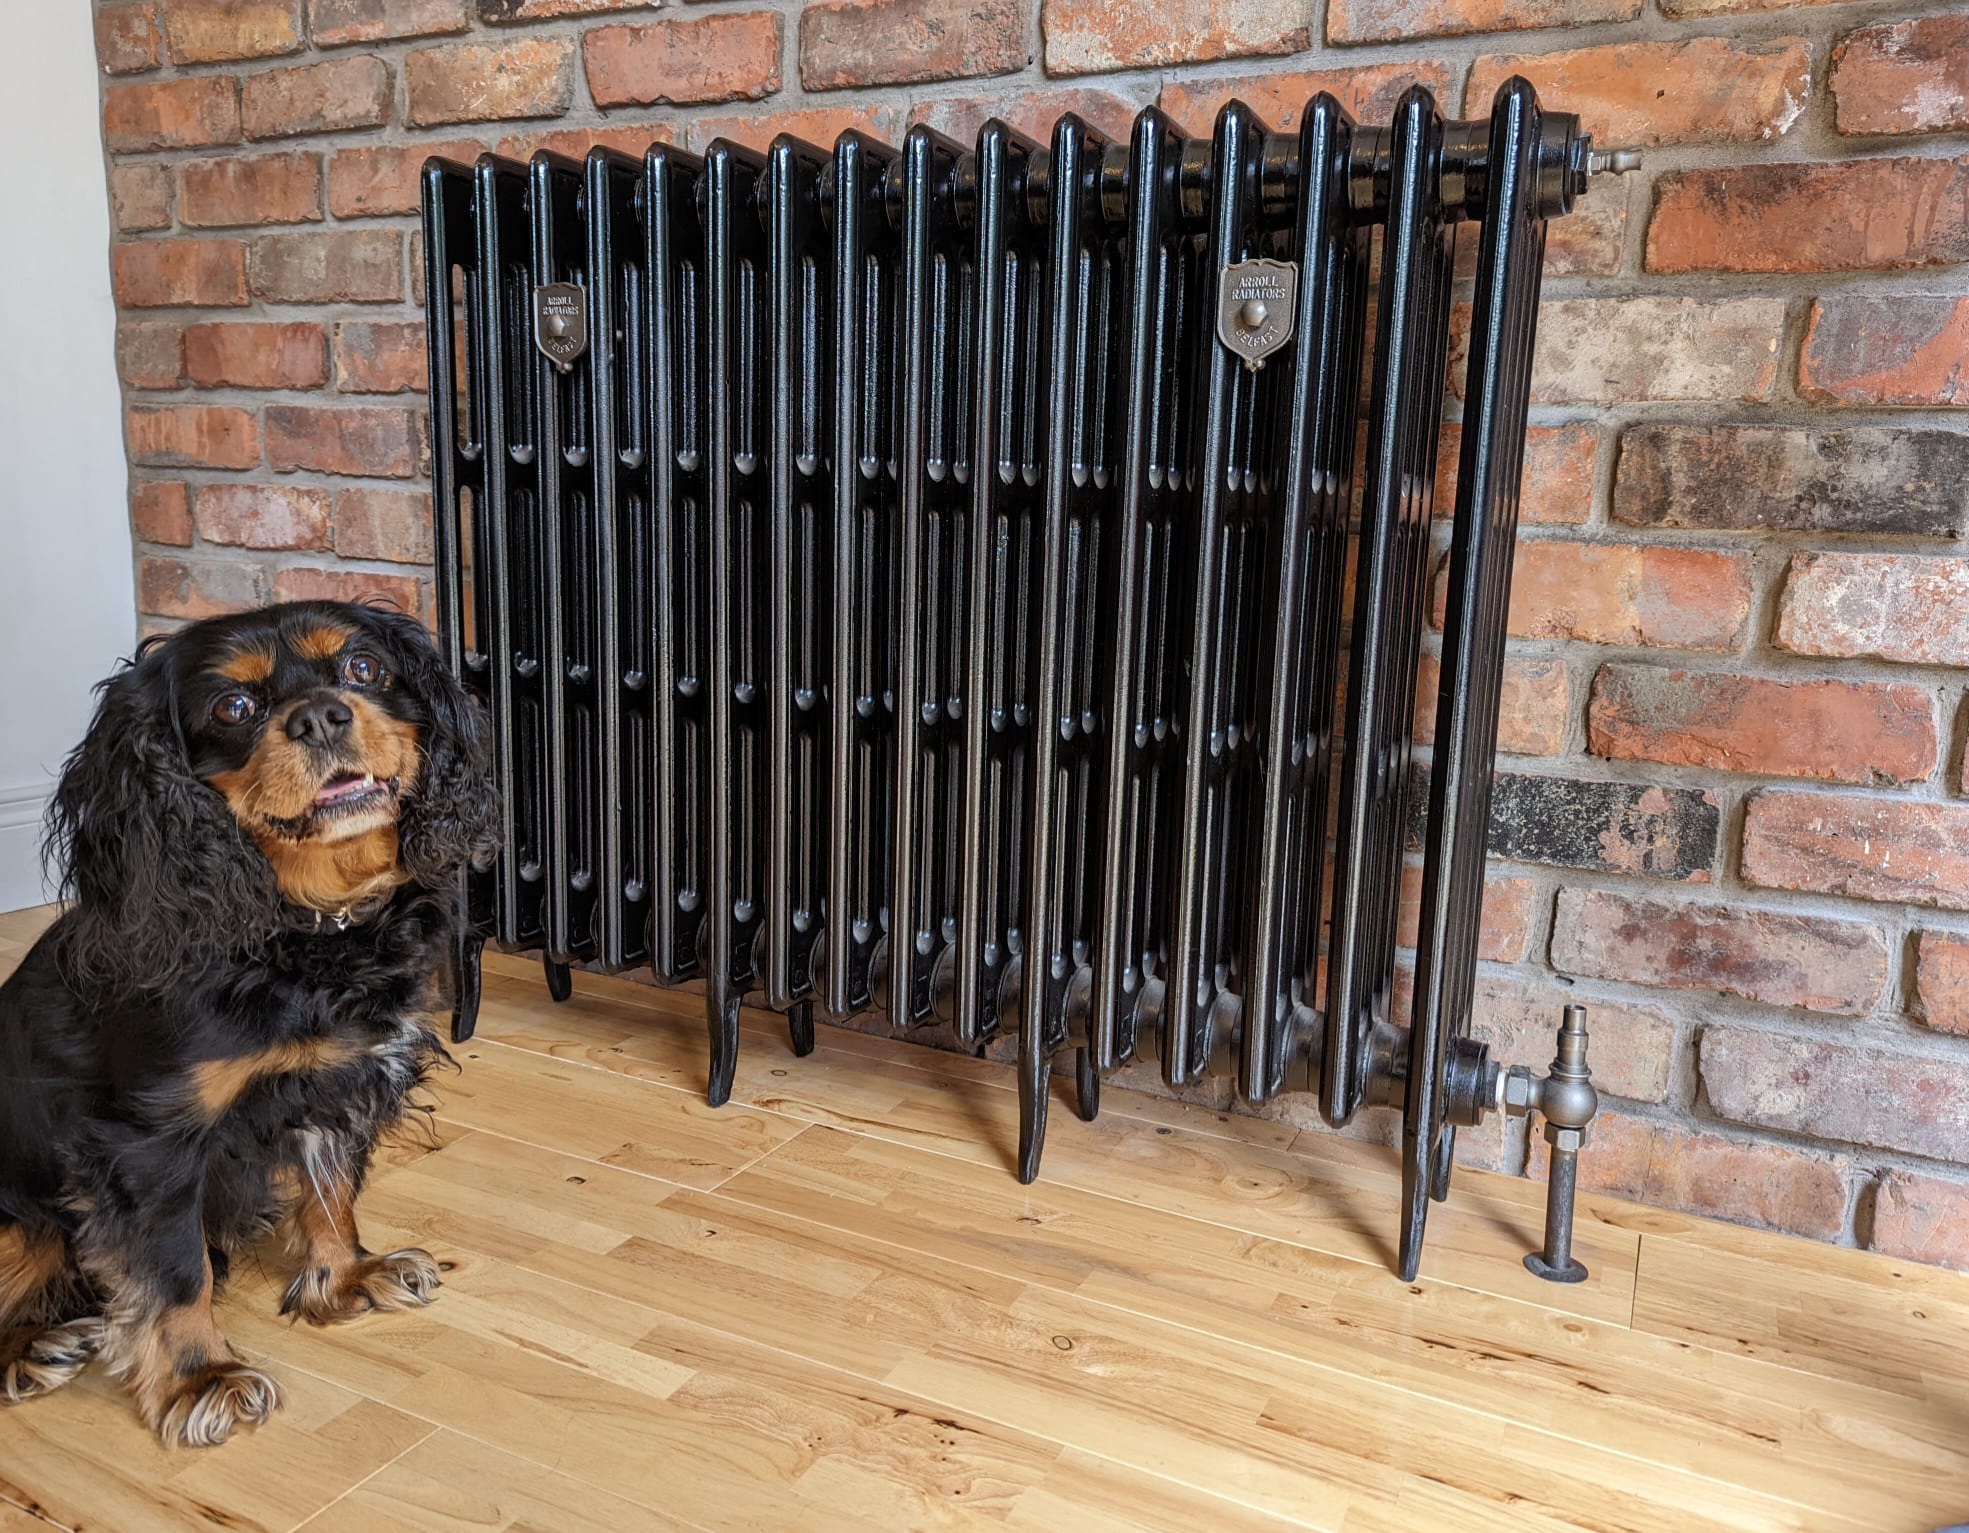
{"points": [[915, 580]]}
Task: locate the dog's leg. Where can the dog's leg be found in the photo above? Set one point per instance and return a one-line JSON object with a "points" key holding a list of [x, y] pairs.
{"points": [[339, 1280], [45, 1341]]}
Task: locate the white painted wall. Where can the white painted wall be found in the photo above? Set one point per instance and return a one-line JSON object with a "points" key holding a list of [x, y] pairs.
{"points": [[66, 601]]}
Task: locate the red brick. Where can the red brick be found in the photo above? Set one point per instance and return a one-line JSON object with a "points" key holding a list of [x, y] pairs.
{"points": [[1684, 9], [633, 139], [1505, 936], [333, 23], [1873, 733], [819, 125], [273, 189], [192, 436], [160, 512], [140, 195], [364, 266], [261, 515], [1368, 91], [1914, 1103], [1904, 76], [1904, 850], [384, 524], [150, 356], [1624, 593], [370, 441], [1033, 114], [196, 588], [1634, 1048], [1746, 1181], [222, 31], [1625, 350], [1533, 708], [1723, 89], [1092, 36], [388, 180], [380, 358], [1557, 488], [302, 583], [1376, 21], [1895, 606], [541, 10], [481, 82], [127, 39], [1922, 1219], [728, 57], [1908, 349], [1851, 216], [1941, 982], [256, 356], [894, 42], [1762, 955], [171, 114], [1587, 242], [160, 274], [317, 98]]}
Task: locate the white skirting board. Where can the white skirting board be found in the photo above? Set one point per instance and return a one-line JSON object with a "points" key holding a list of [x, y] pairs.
{"points": [[22, 806]]}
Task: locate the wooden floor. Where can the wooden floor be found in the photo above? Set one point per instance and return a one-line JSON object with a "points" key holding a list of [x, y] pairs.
{"points": [[829, 1305]]}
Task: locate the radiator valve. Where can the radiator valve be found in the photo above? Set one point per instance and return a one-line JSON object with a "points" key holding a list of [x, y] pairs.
{"points": [[1565, 1098]]}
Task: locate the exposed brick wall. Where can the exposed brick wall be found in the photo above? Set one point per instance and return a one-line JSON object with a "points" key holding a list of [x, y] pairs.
{"points": [[1733, 815]]}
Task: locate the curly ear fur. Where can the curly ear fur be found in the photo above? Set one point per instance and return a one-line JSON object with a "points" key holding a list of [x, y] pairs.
{"points": [[164, 883], [452, 816]]}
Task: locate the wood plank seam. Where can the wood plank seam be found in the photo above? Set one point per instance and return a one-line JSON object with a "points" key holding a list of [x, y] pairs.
{"points": [[351, 1490]]}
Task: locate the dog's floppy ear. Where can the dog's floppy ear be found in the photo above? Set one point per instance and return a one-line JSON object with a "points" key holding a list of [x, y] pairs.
{"points": [[451, 817], [165, 883]]}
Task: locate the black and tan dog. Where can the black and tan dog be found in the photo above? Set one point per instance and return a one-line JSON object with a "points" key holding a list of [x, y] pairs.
{"points": [[259, 839]]}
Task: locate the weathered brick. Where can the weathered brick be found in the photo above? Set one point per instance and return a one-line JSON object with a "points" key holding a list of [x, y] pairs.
{"points": [[160, 512], [1894, 1101], [171, 114], [1533, 707], [195, 588], [1724, 89], [1751, 478], [1904, 850], [1869, 732], [1557, 488], [1280, 98], [541, 10], [1746, 1181], [1922, 1219], [1614, 827], [1848, 216], [728, 57], [1092, 36], [1625, 593], [317, 98], [160, 274], [127, 39], [380, 358], [894, 42], [1378, 21], [819, 125], [192, 436], [1634, 1046], [150, 355], [364, 266], [384, 524], [261, 515], [256, 356], [222, 31], [140, 195], [1941, 982], [1894, 606], [1904, 76], [484, 82], [370, 441], [270, 189], [1682, 10], [1908, 349], [632, 138], [1623, 350], [1768, 956], [388, 179], [1505, 935], [334, 23], [303, 583]]}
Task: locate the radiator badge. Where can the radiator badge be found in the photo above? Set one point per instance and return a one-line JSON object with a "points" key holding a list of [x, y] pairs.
{"points": [[1254, 308], [560, 323]]}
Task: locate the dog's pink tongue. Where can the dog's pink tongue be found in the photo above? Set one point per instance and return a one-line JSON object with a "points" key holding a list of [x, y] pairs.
{"points": [[341, 787]]}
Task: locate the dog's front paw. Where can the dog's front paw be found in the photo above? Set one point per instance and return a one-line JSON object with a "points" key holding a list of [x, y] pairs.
{"points": [[327, 1295], [42, 1363], [213, 1403]]}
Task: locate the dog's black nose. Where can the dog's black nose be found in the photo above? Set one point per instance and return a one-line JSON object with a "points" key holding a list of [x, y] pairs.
{"points": [[320, 722]]}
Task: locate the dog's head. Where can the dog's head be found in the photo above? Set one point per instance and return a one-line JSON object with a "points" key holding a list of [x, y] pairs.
{"points": [[315, 754]]}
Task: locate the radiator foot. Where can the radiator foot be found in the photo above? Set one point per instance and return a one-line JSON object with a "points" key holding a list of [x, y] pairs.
{"points": [[1087, 1085], [560, 979], [721, 1015], [1035, 1079], [800, 1028], [1565, 1098], [465, 983]]}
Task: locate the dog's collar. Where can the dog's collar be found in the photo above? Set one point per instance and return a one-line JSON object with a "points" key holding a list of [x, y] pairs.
{"points": [[311, 920]]}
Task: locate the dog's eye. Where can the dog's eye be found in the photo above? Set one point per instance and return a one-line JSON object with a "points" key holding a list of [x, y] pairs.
{"points": [[362, 670], [235, 708]]}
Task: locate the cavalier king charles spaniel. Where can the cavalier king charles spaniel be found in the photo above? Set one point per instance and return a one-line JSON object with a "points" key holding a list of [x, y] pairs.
{"points": [[259, 840]]}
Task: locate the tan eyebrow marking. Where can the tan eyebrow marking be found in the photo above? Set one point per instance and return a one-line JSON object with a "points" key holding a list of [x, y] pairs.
{"points": [[322, 642], [249, 665]]}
